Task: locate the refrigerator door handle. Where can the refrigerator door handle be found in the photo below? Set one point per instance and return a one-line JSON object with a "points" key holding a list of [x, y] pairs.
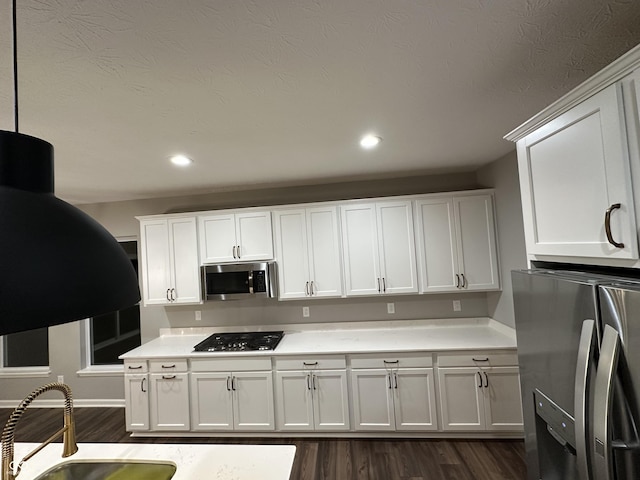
{"points": [[605, 377], [586, 350]]}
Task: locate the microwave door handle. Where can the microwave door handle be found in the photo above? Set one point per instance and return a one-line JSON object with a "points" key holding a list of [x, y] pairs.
{"points": [[250, 281], [584, 366], [603, 401]]}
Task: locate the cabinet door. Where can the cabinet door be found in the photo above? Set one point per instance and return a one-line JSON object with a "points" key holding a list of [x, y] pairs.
{"points": [[476, 238], [397, 247], [294, 401], [253, 401], [323, 240], [372, 400], [330, 400], [169, 401], [502, 400], [461, 399], [211, 402], [217, 238], [292, 255], [184, 260], [414, 399], [360, 248], [437, 245], [155, 262], [571, 171], [136, 394], [253, 236]]}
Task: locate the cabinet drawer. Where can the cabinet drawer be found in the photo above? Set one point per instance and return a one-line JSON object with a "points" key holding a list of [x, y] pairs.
{"points": [[135, 366], [231, 364], [168, 365], [478, 359], [329, 362], [392, 360]]}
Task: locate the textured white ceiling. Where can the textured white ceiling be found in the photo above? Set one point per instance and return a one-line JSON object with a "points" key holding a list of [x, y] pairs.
{"points": [[277, 92]]}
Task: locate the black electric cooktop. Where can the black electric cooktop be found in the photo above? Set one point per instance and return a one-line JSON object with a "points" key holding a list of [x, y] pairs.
{"points": [[239, 342]]}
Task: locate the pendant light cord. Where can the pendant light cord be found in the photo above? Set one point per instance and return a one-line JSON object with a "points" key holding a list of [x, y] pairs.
{"points": [[15, 67]]}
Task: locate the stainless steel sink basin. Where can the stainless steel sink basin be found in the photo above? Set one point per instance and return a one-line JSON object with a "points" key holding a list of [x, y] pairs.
{"points": [[110, 470]]}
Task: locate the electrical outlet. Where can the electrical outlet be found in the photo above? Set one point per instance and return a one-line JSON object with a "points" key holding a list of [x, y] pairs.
{"points": [[305, 311], [60, 378], [391, 308], [198, 315], [456, 306]]}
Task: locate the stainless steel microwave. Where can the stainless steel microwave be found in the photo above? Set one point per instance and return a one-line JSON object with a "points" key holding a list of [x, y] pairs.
{"points": [[239, 280]]}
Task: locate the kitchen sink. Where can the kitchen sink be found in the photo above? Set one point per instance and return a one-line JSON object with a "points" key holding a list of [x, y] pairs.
{"points": [[110, 470]]}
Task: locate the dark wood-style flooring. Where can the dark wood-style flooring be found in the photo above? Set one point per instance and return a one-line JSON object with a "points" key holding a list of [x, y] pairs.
{"points": [[317, 458]]}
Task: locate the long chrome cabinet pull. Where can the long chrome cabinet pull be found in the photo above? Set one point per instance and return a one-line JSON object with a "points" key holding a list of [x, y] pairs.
{"points": [[234, 251], [168, 299], [173, 294], [238, 251], [607, 225], [603, 401], [586, 350]]}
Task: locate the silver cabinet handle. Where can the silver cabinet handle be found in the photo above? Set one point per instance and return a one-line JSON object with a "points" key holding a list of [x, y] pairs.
{"points": [[228, 381], [607, 225], [238, 251], [173, 294], [486, 380], [234, 251], [584, 366], [384, 285], [378, 284], [464, 280], [312, 288], [306, 289], [142, 385], [603, 402], [479, 378], [168, 299], [457, 280]]}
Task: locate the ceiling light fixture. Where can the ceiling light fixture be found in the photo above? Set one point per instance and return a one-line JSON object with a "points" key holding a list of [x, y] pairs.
{"points": [[370, 141], [57, 264], [181, 160]]}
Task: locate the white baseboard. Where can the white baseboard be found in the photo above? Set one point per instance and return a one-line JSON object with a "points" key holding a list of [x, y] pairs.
{"points": [[59, 403]]}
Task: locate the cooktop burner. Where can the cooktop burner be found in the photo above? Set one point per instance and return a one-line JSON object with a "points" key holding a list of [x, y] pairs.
{"points": [[239, 342]]}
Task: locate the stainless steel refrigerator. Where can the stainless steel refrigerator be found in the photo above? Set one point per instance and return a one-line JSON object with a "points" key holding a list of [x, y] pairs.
{"points": [[579, 354]]}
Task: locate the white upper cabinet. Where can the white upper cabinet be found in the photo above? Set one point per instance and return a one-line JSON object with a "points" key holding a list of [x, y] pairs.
{"points": [[235, 237], [379, 248], [170, 269], [456, 243], [579, 164], [308, 252]]}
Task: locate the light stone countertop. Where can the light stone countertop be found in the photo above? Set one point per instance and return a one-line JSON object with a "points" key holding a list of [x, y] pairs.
{"points": [[410, 336], [194, 462]]}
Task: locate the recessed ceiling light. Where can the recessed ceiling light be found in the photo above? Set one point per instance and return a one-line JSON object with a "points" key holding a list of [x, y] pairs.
{"points": [[370, 141], [181, 160]]}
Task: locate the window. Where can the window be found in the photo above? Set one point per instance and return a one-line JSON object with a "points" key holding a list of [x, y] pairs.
{"points": [[112, 334], [26, 349]]}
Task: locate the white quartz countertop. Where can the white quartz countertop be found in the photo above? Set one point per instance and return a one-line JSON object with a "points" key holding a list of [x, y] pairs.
{"points": [[194, 462], [435, 336]]}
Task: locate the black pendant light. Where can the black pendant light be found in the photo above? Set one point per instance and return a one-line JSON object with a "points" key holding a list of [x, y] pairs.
{"points": [[57, 264]]}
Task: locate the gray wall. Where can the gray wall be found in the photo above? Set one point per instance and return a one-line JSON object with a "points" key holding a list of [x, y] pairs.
{"points": [[502, 175], [118, 218]]}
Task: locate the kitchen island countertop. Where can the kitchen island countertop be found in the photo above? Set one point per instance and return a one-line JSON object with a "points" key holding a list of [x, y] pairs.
{"points": [[402, 336], [194, 462]]}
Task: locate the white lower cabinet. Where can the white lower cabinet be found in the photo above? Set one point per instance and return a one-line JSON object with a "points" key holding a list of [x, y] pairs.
{"points": [[232, 400], [398, 395], [310, 397], [482, 396], [169, 401], [136, 395]]}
